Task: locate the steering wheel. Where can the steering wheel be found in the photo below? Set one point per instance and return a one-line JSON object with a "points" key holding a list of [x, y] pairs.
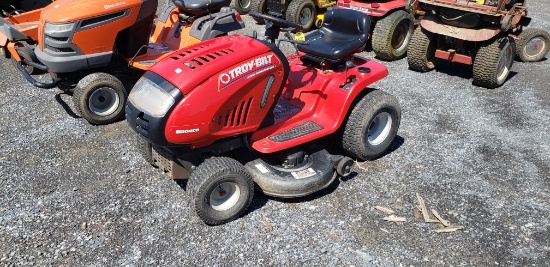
{"points": [[276, 21]]}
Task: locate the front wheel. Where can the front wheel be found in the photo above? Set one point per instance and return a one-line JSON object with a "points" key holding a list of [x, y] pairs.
{"points": [[302, 12], [26, 54], [100, 98], [421, 54], [221, 190], [259, 6], [242, 6], [493, 62], [392, 35], [532, 45], [372, 125]]}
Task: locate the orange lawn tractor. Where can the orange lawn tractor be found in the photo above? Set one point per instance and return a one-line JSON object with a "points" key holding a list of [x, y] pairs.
{"points": [[487, 34], [19, 30], [92, 48]]}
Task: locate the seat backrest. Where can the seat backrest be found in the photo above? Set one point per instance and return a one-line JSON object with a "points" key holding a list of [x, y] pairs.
{"points": [[200, 7], [345, 24]]}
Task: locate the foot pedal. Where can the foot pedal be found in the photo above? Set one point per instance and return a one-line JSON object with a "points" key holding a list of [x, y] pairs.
{"points": [[298, 131], [168, 165]]}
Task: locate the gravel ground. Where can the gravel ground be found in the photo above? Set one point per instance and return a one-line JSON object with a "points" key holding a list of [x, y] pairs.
{"points": [[73, 194]]}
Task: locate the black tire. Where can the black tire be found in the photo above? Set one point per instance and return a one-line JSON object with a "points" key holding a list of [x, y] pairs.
{"points": [[421, 54], [100, 98], [493, 62], [242, 6], [532, 45], [392, 35], [145, 150], [371, 126], [26, 53], [302, 12], [220, 175], [259, 6]]}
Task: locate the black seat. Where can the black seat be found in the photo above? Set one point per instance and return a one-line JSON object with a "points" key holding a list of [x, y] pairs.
{"points": [[344, 32], [200, 7]]}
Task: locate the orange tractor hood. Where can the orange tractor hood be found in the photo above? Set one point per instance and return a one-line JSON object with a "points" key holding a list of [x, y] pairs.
{"points": [[72, 10]]}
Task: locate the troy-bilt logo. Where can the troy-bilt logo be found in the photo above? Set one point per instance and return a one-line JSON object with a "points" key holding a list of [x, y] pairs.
{"points": [[114, 5], [228, 77], [186, 131]]}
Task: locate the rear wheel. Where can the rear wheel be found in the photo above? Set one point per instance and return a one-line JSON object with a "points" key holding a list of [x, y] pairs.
{"points": [[100, 98], [221, 190], [302, 12], [26, 54], [372, 125], [392, 35], [421, 54], [259, 6], [532, 45], [493, 62], [242, 6]]}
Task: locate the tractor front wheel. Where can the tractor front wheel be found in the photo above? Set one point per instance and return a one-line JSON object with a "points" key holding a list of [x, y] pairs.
{"points": [[532, 45], [100, 98], [421, 54], [372, 125], [242, 6], [221, 190], [302, 12], [392, 34], [493, 62]]}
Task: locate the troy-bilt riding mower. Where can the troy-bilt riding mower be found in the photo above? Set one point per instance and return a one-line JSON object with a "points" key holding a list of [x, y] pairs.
{"points": [[486, 34], [392, 25], [19, 31], [90, 46], [202, 102], [306, 13]]}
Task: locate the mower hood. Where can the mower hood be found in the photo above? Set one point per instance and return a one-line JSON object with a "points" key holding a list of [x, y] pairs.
{"points": [[71, 10], [220, 61]]}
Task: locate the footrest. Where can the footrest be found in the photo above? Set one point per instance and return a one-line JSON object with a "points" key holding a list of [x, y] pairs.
{"points": [[296, 132]]}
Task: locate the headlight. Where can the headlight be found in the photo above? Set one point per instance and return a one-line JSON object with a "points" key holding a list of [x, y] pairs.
{"points": [[58, 28], [150, 98]]}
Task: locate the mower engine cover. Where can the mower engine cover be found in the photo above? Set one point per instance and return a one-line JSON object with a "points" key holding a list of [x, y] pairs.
{"points": [[75, 34], [224, 87]]}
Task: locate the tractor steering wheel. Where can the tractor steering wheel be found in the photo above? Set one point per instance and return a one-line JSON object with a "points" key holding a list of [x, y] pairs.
{"points": [[276, 21]]}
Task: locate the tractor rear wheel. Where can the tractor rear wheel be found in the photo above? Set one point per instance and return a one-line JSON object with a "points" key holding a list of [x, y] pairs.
{"points": [[259, 6], [532, 45], [421, 54], [221, 190], [302, 12], [392, 35], [371, 126], [26, 54], [100, 98], [493, 62], [242, 6]]}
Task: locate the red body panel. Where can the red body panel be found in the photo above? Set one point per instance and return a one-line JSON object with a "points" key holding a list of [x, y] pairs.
{"points": [[367, 8], [223, 94]]}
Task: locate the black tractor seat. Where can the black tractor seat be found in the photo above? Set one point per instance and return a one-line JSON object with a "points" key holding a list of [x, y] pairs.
{"points": [[200, 7], [343, 33]]}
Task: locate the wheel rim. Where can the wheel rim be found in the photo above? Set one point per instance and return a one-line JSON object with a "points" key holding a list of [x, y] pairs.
{"points": [[534, 47], [244, 3], [305, 16], [400, 36], [379, 128], [504, 63], [104, 101], [225, 196]]}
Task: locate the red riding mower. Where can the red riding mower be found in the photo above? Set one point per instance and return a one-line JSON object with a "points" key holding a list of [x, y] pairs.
{"points": [[89, 47], [199, 103], [484, 33], [392, 25], [19, 30]]}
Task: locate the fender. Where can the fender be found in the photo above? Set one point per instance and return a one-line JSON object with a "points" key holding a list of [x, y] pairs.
{"points": [[433, 24]]}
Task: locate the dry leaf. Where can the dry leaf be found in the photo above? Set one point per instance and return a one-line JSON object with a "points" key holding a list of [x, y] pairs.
{"points": [[449, 229], [394, 219], [384, 210], [443, 221], [265, 223]]}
